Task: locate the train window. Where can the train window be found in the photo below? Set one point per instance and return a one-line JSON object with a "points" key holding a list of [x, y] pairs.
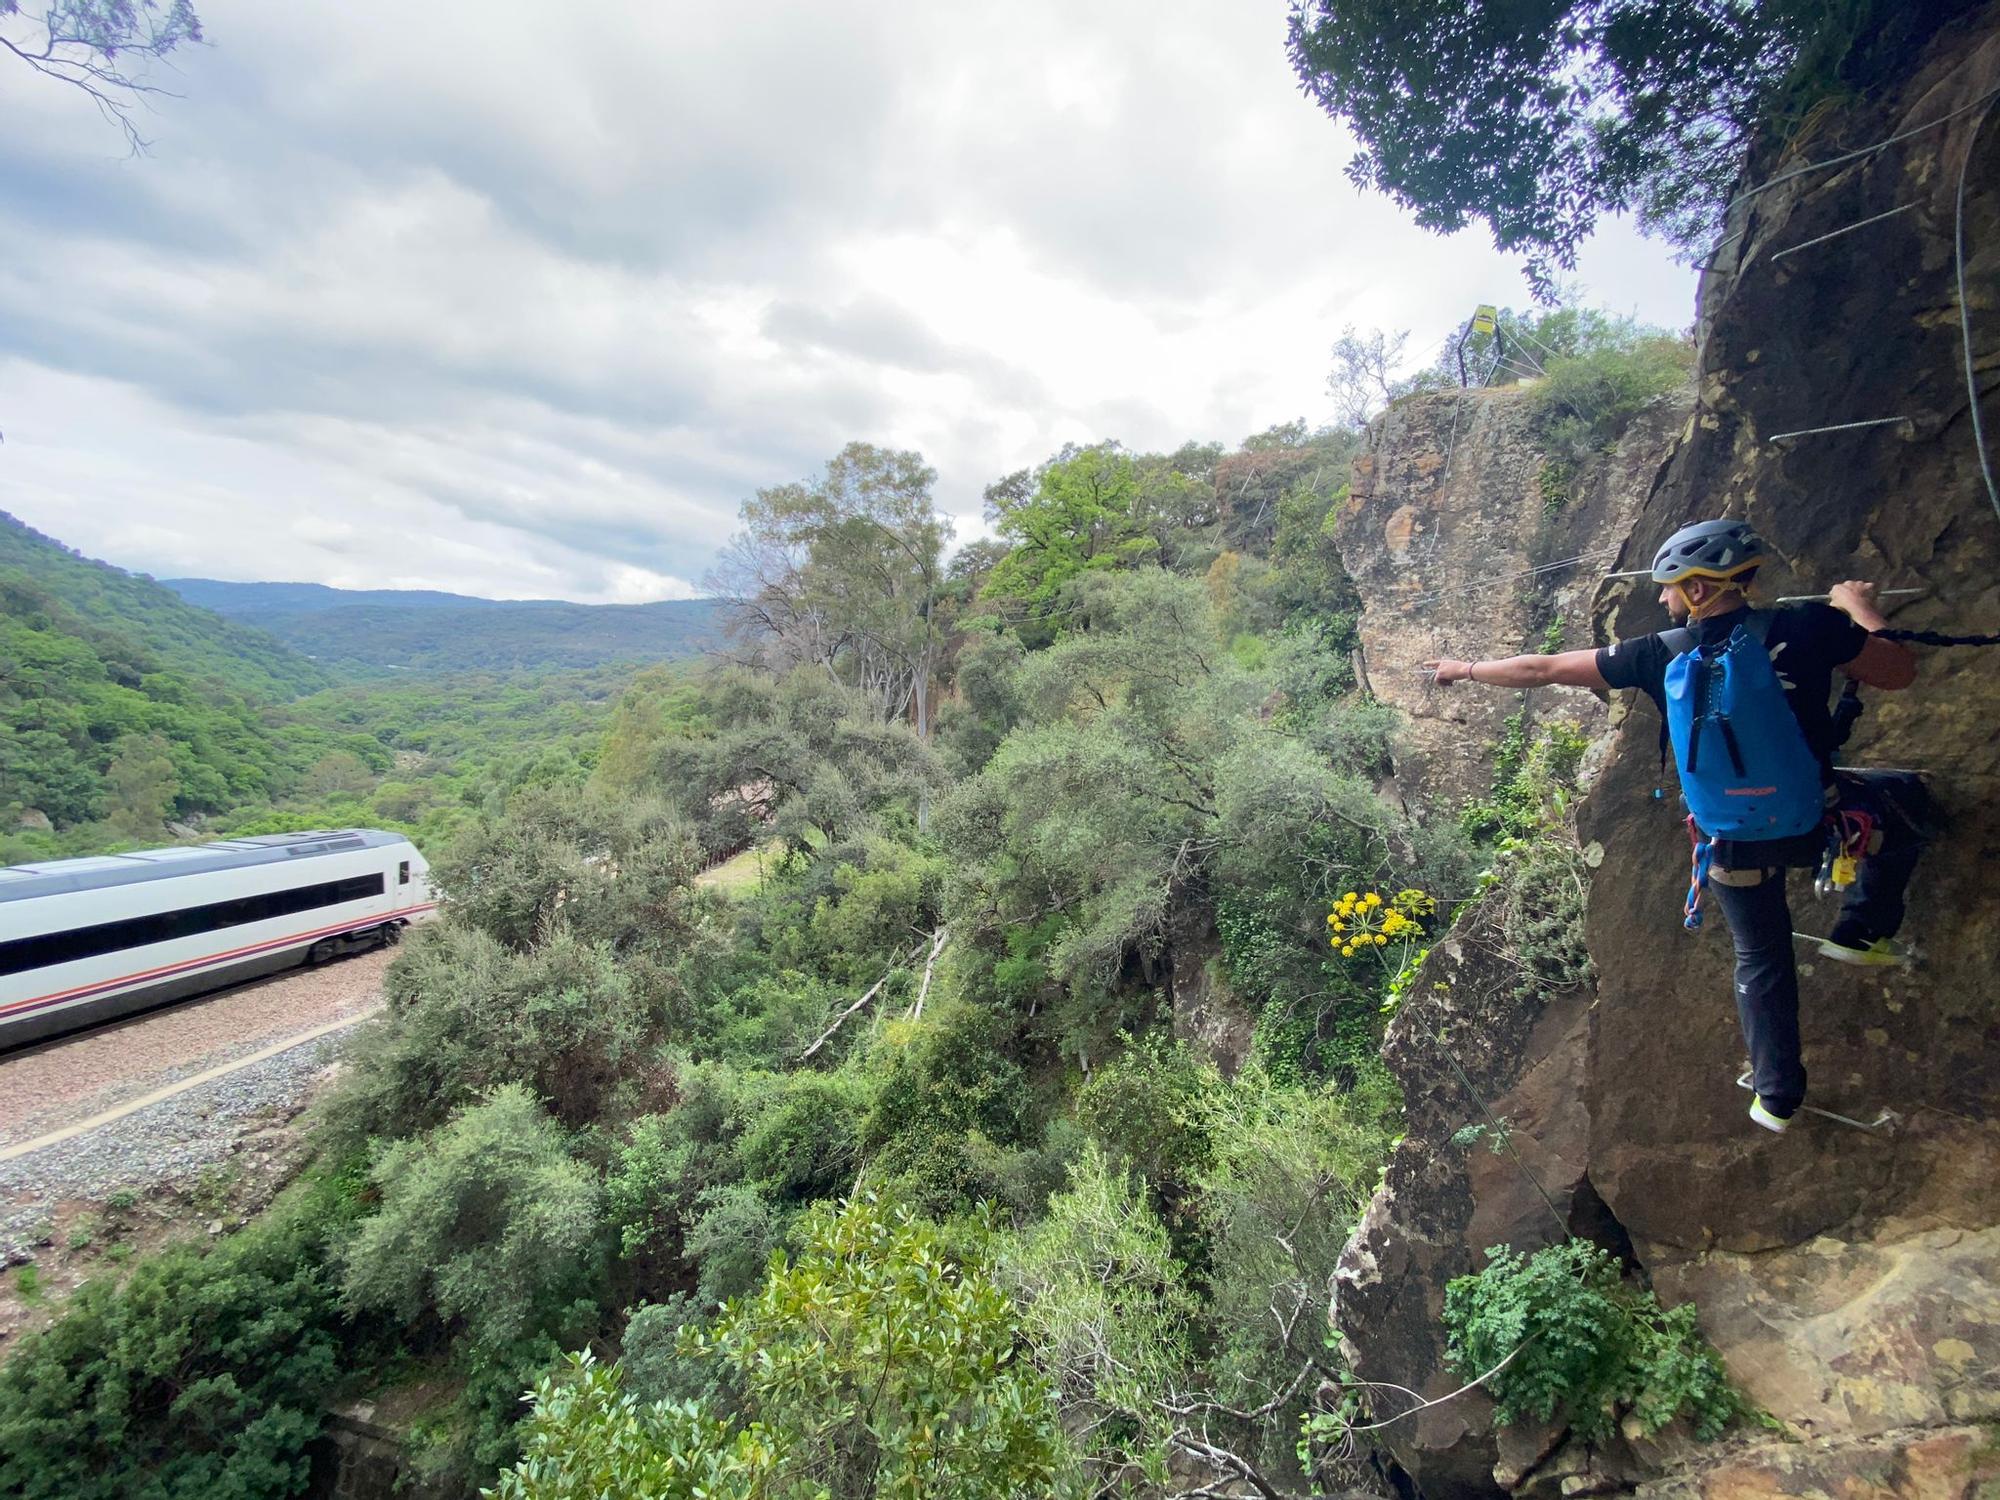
{"points": [[22, 954], [403, 873]]}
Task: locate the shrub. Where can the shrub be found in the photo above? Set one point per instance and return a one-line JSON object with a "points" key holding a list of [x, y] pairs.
{"points": [[655, 1368], [804, 1143], [884, 1364], [877, 1363], [1542, 886], [1107, 1315], [204, 1375], [729, 1240], [1579, 1341], [466, 1016], [1584, 402], [671, 1159], [1289, 1174], [865, 921], [1534, 773], [947, 1087], [487, 1226], [1146, 1109]]}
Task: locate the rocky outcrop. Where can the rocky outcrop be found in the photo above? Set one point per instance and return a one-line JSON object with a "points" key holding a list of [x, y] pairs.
{"points": [[1447, 518], [1848, 1277]]}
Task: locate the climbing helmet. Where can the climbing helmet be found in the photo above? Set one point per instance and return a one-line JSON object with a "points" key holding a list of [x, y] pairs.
{"points": [[1708, 549]]}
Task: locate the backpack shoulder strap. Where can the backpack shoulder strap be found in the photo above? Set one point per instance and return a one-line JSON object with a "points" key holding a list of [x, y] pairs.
{"points": [[1757, 625], [1678, 641]]}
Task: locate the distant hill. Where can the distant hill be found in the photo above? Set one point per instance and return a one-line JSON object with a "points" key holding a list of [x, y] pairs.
{"points": [[377, 631], [243, 601], [121, 701], [172, 632]]}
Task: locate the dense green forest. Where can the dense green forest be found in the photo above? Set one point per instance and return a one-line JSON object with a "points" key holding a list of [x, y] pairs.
{"points": [[894, 1172], [124, 706], [907, 1166], [379, 632], [132, 717]]}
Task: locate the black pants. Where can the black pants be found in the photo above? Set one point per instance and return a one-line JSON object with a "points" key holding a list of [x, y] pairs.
{"points": [[1767, 986], [1901, 809], [1760, 926]]}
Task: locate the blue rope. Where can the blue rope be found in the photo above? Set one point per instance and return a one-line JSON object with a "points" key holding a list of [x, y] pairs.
{"points": [[1704, 851]]}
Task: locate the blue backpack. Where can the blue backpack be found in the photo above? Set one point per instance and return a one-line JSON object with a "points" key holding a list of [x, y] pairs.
{"points": [[1746, 771]]}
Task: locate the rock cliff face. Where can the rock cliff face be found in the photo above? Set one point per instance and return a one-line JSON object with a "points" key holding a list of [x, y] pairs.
{"points": [[1850, 1279], [1446, 526]]}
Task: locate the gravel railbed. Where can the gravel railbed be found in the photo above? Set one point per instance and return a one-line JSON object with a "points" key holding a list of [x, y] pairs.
{"points": [[170, 1142], [72, 1080], [165, 1143]]}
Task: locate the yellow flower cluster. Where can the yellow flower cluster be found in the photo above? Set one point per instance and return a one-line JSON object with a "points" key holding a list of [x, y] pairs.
{"points": [[1362, 919], [1414, 903]]}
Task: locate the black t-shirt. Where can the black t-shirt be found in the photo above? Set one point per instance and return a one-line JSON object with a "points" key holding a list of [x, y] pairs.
{"points": [[1807, 644]]}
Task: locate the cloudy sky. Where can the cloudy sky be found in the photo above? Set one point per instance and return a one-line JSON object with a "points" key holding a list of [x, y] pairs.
{"points": [[521, 300]]}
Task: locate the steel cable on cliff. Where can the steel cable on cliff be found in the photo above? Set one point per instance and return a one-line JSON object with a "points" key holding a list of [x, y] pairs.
{"points": [[1965, 312], [1841, 160], [1431, 596]]}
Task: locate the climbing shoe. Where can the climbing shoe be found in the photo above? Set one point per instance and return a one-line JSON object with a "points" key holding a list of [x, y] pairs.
{"points": [[1762, 1116], [1883, 953]]}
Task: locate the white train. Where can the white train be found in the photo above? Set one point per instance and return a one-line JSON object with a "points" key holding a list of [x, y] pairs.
{"points": [[85, 940]]}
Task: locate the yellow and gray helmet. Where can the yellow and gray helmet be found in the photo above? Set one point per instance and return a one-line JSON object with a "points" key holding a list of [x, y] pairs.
{"points": [[1708, 549]]}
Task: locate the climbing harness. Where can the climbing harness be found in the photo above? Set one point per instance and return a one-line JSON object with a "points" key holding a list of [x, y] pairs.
{"points": [[1852, 835], [1883, 1123]]}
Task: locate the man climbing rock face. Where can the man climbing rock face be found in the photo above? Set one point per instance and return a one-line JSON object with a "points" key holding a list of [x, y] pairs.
{"points": [[1744, 694]]}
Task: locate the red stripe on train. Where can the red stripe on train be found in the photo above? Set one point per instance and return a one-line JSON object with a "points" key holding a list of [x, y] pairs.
{"points": [[20, 1007]]}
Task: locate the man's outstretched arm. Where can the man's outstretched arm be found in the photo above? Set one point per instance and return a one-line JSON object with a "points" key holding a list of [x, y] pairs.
{"points": [[1562, 669]]}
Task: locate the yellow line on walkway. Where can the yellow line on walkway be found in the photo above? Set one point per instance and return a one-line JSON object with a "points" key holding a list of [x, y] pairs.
{"points": [[209, 1075]]}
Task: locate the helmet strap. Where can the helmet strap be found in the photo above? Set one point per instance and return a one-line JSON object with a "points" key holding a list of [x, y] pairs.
{"points": [[1713, 604]]}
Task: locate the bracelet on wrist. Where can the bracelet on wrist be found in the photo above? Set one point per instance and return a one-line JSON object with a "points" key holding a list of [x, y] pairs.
{"points": [[1469, 667]]}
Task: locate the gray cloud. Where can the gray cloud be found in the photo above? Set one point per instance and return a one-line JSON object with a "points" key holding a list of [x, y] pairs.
{"points": [[524, 299]]}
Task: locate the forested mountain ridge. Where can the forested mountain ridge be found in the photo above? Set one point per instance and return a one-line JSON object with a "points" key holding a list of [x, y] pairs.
{"points": [[379, 631], [246, 600], [129, 716], [123, 705], [178, 636]]}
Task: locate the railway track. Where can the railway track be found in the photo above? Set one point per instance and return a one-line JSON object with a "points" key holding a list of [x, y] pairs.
{"points": [[57, 1092]]}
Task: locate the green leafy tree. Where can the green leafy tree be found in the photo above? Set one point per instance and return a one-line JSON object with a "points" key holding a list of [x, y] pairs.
{"points": [[845, 573], [1078, 513], [802, 760], [1097, 811], [587, 1439], [140, 785], [203, 1373], [1540, 119], [489, 1226], [879, 1362]]}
